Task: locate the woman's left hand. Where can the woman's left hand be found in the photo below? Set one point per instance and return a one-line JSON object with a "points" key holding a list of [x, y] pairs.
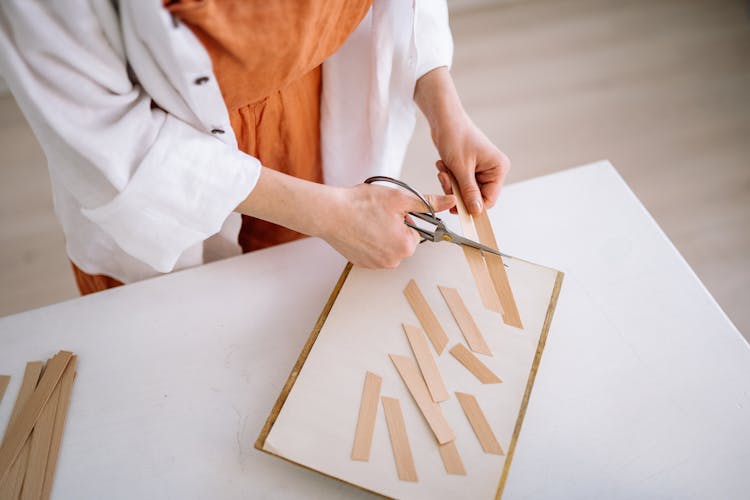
{"points": [[478, 166]]}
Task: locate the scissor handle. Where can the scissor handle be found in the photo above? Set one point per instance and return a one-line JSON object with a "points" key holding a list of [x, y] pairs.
{"points": [[385, 178]]}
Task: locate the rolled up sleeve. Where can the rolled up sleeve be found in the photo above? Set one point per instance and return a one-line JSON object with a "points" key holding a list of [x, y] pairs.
{"points": [[155, 184], [433, 37]]}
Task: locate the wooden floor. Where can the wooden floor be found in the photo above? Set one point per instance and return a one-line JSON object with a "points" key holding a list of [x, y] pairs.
{"points": [[661, 88]]}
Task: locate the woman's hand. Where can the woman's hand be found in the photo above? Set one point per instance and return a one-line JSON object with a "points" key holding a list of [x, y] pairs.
{"points": [[478, 166], [368, 228], [365, 223]]}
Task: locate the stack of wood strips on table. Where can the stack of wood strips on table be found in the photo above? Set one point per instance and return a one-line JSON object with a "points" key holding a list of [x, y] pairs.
{"points": [[31, 444], [421, 375]]}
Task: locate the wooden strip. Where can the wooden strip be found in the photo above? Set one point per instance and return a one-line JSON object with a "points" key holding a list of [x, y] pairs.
{"points": [[426, 362], [409, 372], [479, 423], [474, 258], [41, 439], [20, 430], [4, 380], [426, 316], [498, 274], [399, 440], [66, 390], [465, 321], [368, 409], [474, 365], [10, 487], [451, 459]]}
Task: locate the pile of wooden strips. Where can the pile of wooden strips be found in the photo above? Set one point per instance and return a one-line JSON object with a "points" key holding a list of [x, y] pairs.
{"points": [[31, 444]]}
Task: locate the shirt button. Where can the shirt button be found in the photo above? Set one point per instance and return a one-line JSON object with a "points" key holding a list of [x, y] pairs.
{"points": [[201, 80]]}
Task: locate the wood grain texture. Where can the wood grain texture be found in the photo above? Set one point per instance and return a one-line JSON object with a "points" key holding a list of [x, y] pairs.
{"points": [[21, 428], [474, 365], [66, 391], [10, 487], [368, 410], [409, 372], [394, 420], [474, 257], [427, 365], [497, 272], [426, 316], [451, 459], [465, 321], [41, 440], [479, 423]]}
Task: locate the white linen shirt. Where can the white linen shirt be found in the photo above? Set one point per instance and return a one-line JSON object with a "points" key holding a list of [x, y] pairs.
{"points": [[143, 162]]}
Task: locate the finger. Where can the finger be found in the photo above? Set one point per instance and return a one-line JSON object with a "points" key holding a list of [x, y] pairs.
{"points": [[441, 202], [470, 191], [445, 182]]}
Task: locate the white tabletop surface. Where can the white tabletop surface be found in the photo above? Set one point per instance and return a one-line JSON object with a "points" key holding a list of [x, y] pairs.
{"points": [[643, 389]]}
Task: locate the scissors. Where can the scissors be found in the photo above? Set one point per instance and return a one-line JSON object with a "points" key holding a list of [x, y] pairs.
{"points": [[440, 233]]}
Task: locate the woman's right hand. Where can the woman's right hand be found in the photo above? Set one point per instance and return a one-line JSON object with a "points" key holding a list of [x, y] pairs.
{"points": [[367, 225], [364, 223]]}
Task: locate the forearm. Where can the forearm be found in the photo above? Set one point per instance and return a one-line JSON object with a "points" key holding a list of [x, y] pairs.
{"points": [[436, 96], [303, 206]]}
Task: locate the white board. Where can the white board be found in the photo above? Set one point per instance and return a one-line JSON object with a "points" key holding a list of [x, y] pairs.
{"points": [[315, 427]]}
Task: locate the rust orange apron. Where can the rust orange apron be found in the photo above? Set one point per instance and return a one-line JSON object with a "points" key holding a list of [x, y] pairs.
{"points": [[267, 57]]}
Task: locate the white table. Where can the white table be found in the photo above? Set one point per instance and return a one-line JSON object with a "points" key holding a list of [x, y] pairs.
{"points": [[643, 391]]}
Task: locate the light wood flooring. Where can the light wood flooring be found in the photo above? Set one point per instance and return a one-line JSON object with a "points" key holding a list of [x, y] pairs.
{"points": [[659, 87]]}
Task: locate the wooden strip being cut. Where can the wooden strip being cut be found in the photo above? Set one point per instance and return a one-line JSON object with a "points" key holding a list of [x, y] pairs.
{"points": [[41, 439], [479, 423], [498, 274], [368, 409], [4, 380], [426, 317], [10, 487], [399, 440], [426, 362], [465, 321], [474, 257], [451, 459], [474, 365], [66, 390], [409, 372], [21, 428]]}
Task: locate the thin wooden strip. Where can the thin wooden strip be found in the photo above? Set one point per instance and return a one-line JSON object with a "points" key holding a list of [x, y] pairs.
{"points": [[482, 278], [394, 419], [409, 372], [426, 316], [10, 487], [66, 390], [479, 423], [20, 430], [28, 384], [465, 320], [498, 274], [426, 362], [368, 409], [41, 440], [474, 365], [474, 258], [451, 459], [4, 380], [467, 224]]}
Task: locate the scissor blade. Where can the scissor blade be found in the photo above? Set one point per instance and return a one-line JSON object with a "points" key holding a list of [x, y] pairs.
{"points": [[460, 240]]}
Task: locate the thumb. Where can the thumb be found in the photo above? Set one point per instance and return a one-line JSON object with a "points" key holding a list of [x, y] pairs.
{"points": [[470, 193]]}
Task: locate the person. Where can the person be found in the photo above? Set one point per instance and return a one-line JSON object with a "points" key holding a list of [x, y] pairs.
{"points": [[180, 133]]}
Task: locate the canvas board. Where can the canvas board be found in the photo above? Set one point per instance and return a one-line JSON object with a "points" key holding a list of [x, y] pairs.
{"points": [[314, 422]]}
